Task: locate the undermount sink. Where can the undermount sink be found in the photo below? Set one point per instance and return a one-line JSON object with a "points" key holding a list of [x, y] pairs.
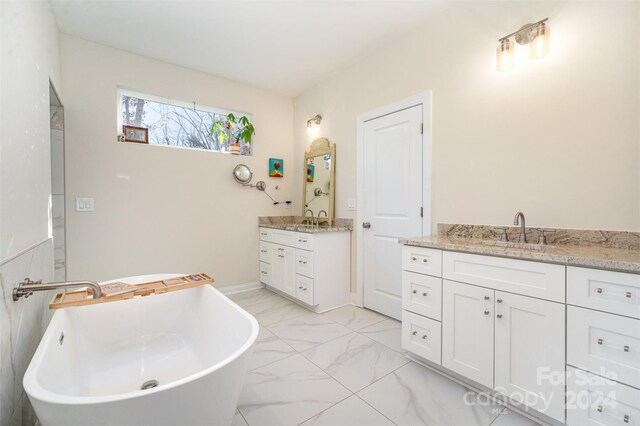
{"points": [[510, 244]]}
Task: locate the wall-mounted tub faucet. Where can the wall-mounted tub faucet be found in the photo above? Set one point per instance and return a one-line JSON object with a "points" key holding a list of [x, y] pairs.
{"points": [[519, 220], [28, 286]]}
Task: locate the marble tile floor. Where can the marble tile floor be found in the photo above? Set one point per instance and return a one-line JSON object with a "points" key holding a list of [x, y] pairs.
{"points": [[345, 367]]}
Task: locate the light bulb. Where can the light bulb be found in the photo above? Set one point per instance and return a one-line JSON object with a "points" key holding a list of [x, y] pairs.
{"points": [[540, 44], [505, 55], [308, 128]]}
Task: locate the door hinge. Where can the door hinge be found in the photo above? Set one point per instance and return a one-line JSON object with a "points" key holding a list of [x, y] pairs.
{"points": [[421, 211], [421, 128]]}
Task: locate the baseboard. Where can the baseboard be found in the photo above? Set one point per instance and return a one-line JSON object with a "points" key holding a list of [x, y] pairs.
{"points": [[240, 288]]}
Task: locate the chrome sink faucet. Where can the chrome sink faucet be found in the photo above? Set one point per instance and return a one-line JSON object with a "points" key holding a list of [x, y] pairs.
{"points": [[27, 287], [519, 220], [310, 220]]}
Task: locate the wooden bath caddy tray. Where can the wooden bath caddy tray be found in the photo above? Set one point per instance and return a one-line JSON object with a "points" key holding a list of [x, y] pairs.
{"points": [[120, 291]]}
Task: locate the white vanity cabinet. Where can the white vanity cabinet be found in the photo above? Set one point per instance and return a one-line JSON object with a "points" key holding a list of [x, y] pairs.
{"points": [[502, 321], [310, 268], [603, 328]]}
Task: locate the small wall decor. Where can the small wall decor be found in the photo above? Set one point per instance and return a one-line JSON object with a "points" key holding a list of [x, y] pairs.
{"points": [[276, 167], [310, 172], [135, 134]]}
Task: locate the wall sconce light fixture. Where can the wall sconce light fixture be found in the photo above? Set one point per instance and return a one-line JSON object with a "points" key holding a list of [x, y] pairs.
{"points": [[536, 35], [313, 125]]}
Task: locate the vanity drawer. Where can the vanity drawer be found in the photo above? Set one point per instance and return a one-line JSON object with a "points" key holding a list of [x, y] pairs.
{"points": [[541, 280], [304, 241], [422, 294], [615, 292], [304, 289], [422, 336], [264, 234], [281, 236], [422, 260], [304, 263], [601, 342], [266, 252], [593, 400], [265, 273]]}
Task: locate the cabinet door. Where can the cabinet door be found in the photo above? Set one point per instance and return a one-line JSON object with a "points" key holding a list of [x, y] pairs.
{"points": [[530, 352], [289, 271], [277, 267], [467, 331]]}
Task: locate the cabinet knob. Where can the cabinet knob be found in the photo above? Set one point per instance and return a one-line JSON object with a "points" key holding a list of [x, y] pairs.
{"points": [[499, 300], [487, 298], [414, 333], [415, 291], [424, 260], [499, 316], [626, 348], [424, 294], [598, 290], [300, 287], [414, 259], [366, 225], [424, 337], [626, 418], [599, 408], [486, 312], [304, 289], [628, 295], [600, 341]]}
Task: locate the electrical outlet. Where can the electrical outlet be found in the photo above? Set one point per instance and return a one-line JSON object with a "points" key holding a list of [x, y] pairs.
{"points": [[84, 204], [351, 204]]}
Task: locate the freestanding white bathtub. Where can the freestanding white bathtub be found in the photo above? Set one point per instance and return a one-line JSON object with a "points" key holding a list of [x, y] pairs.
{"points": [[194, 343]]}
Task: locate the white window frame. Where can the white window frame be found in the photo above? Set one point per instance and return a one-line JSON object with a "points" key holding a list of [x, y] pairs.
{"points": [[173, 102]]}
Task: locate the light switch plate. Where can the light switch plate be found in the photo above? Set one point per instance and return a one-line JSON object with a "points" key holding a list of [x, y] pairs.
{"points": [[351, 204], [84, 204]]}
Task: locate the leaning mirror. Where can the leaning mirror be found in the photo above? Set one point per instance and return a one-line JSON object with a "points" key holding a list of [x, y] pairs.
{"points": [[318, 185], [242, 174]]}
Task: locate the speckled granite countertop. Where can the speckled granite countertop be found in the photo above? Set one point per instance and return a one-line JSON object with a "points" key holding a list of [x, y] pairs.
{"points": [[293, 223], [592, 256]]}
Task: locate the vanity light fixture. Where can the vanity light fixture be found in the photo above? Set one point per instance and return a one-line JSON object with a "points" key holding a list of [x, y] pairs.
{"points": [[535, 34], [313, 125]]}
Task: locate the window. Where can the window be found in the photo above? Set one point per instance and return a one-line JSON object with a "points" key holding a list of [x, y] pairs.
{"points": [[176, 124]]}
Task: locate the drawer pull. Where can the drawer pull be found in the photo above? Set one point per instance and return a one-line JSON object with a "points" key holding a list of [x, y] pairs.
{"points": [[414, 333], [424, 337], [263, 272], [628, 295], [499, 316], [626, 348], [424, 294], [600, 341], [415, 291], [281, 255], [487, 312], [600, 408], [599, 290], [263, 251], [424, 260], [499, 300], [304, 289], [487, 298], [414, 259], [626, 418], [300, 287]]}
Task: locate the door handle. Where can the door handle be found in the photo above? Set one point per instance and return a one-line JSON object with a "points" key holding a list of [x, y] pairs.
{"points": [[366, 225]]}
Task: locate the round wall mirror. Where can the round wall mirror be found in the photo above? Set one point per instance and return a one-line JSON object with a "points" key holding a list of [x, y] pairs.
{"points": [[242, 174]]}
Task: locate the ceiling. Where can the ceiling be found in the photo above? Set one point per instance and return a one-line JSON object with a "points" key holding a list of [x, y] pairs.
{"points": [[284, 46]]}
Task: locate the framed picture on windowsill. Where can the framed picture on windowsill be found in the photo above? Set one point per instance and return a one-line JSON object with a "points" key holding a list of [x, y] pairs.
{"points": [[135, 134]]}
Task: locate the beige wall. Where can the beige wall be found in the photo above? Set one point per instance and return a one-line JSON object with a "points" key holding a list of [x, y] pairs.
{"points": [[160, 209], [557, 138]]}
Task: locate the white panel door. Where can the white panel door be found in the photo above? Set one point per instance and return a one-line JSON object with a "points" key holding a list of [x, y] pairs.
{"points": [[392, 189], [467, 331], [289, 270], [529, 352], [277, 267]]}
